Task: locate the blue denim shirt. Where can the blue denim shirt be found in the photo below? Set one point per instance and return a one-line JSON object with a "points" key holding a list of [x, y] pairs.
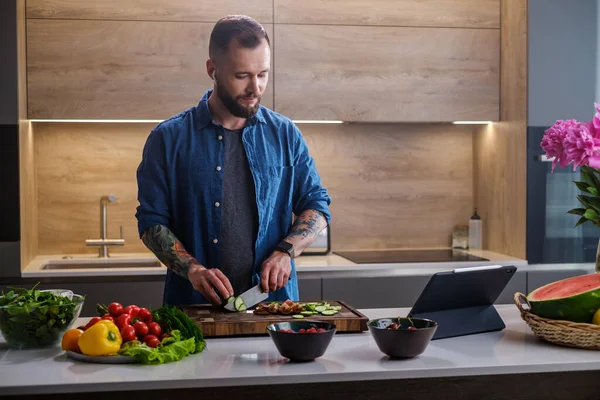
{"points": [[180, 182]]}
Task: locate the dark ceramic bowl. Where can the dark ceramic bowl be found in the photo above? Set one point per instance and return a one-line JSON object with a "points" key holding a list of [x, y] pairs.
{"points": [[402, 343], [301, 346]]}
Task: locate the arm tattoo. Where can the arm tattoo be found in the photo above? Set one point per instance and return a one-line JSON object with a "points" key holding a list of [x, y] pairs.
{"points": [[168, 249], [308, 225]]}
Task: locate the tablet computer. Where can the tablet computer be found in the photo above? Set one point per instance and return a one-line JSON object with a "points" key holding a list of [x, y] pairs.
{"points": [[461, 301]]}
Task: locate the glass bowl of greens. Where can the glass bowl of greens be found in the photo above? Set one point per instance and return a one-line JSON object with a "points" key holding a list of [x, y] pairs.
{"points": [[31, 318]]}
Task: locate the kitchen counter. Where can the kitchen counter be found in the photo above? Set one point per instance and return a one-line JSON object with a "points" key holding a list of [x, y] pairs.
{"points": [[502, 357], [307, 266]]}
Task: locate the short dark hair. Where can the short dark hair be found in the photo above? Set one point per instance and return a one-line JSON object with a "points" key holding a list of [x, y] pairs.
{"points": [[247, 31]]}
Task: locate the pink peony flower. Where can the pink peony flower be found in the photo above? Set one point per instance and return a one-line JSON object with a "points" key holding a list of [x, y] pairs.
{"points": [[580, 146], [596, 119], [552, 142]]}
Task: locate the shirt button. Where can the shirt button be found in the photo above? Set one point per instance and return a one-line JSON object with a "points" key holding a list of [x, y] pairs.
{"points": [[215, 241], [217, 204], [218, 167], [220, 137]]}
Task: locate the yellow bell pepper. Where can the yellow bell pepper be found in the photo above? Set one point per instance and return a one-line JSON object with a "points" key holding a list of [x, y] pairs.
{"points": [[101, 339]]}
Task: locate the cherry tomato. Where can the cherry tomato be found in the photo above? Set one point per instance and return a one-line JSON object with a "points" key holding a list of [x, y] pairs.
{"points": [[92, 322], [145, 315], [141, 329], [123, 320], [163, 336], [128, 333], [115, 309], [154, 328], [132, 310], [151, 340], [108, 317]]}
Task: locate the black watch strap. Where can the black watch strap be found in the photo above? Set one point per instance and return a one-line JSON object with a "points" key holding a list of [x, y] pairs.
{"points": [[286, 247]]}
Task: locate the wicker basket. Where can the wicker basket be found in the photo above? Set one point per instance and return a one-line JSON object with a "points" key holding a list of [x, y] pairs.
{"points": [[564, 333]]}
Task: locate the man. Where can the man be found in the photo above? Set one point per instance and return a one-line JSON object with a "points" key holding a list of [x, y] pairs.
{"points": [[218, 183]]}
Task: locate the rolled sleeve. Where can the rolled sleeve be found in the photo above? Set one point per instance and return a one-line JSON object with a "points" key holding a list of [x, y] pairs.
{"points": [[308, 194], [153, 188]]}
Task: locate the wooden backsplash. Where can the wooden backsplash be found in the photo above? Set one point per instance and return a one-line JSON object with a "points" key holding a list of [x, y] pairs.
{"points": [[392, 185]]}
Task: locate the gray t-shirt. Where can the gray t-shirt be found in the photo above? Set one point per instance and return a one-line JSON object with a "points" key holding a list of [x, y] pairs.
{"points": [[239, 215]]}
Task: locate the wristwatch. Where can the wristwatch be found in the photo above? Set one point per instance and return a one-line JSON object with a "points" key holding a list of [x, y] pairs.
{"points": [[286, 247]]}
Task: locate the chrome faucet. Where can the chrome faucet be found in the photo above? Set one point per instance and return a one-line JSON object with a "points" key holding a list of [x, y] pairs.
{"points": [[103, 242]]}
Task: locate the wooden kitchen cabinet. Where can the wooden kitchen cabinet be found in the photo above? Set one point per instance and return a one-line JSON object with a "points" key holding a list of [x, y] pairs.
{"points": [[431, 13], [150, 10], [92, 69], [393, 74]]}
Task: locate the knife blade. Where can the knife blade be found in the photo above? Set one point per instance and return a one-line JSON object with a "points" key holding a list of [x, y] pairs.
{"points": [[250, 297]]}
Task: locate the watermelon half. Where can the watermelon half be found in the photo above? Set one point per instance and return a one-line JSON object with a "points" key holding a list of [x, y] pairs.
{"points": [[573, 299]]}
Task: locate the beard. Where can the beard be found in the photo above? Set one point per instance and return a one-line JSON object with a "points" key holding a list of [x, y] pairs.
{"points": [[234, 107]]}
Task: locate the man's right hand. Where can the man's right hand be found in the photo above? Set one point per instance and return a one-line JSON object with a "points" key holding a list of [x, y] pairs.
{"points": [[210, 283]]}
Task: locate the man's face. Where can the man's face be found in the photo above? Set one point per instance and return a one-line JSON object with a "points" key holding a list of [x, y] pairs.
{"points": [[241, 78]]}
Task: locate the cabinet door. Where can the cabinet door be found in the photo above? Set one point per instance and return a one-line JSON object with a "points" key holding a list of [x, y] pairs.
{"points": [[117, 69], [438, 13], [150, 10], [394, 74]]}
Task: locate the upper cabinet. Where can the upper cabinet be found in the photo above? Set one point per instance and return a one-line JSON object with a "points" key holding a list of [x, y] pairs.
{"points": [[101, 69], [386, 60], [394, 74], [150, 10], [418, 13]]}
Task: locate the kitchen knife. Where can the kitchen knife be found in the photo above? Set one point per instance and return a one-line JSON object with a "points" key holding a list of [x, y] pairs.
{"points": [[250, 298]]}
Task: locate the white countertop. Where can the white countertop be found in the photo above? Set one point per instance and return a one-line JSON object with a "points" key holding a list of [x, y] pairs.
{"points": [[306, 266], [255, 361]]}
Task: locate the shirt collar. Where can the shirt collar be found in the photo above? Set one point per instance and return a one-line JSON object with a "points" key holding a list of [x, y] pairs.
{"points": [[204, 117]]}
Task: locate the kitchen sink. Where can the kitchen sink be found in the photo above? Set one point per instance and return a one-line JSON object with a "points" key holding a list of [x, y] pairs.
{"points": [[101, 263]]}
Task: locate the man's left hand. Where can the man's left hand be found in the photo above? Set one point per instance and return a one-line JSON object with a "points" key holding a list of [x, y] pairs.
{"points": [[276, 271]]}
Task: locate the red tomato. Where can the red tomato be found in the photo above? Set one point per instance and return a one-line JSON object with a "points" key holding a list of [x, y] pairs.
{"points": [[108, 317], [141, 329], [151, 340], [128, 333], [145, 315], [123, 320], [154, 328], [301, 330], [321, 330], [92, 322], [132, 310], [115, 309]]}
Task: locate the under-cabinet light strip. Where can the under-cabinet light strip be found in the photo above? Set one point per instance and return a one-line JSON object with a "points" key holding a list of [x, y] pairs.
{"points": [[472, 122]]}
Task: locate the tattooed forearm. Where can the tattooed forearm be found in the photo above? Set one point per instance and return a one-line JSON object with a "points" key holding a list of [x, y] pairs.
{"points": [[305, 229], [168, 249]]}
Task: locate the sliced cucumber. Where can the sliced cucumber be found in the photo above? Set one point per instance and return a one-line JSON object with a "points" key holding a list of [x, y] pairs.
{"points": [[339, 308], [329, 312], [320, 308], [239, 304], [230, 299], [307, 313], [298, 316]]}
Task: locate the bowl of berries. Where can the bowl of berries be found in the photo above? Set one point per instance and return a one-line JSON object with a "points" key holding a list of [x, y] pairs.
{"points": [[301, 340], [402, 337]]}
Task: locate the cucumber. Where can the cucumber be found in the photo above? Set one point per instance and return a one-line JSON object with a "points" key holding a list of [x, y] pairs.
{"points": [[297, 316], [239, 304], [307, 313], [329, 312], [320, 308], [230, 299], [339, 308]]}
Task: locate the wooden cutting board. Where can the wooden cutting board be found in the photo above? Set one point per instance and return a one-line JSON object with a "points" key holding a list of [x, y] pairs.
{"points": [[218, 322]]}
